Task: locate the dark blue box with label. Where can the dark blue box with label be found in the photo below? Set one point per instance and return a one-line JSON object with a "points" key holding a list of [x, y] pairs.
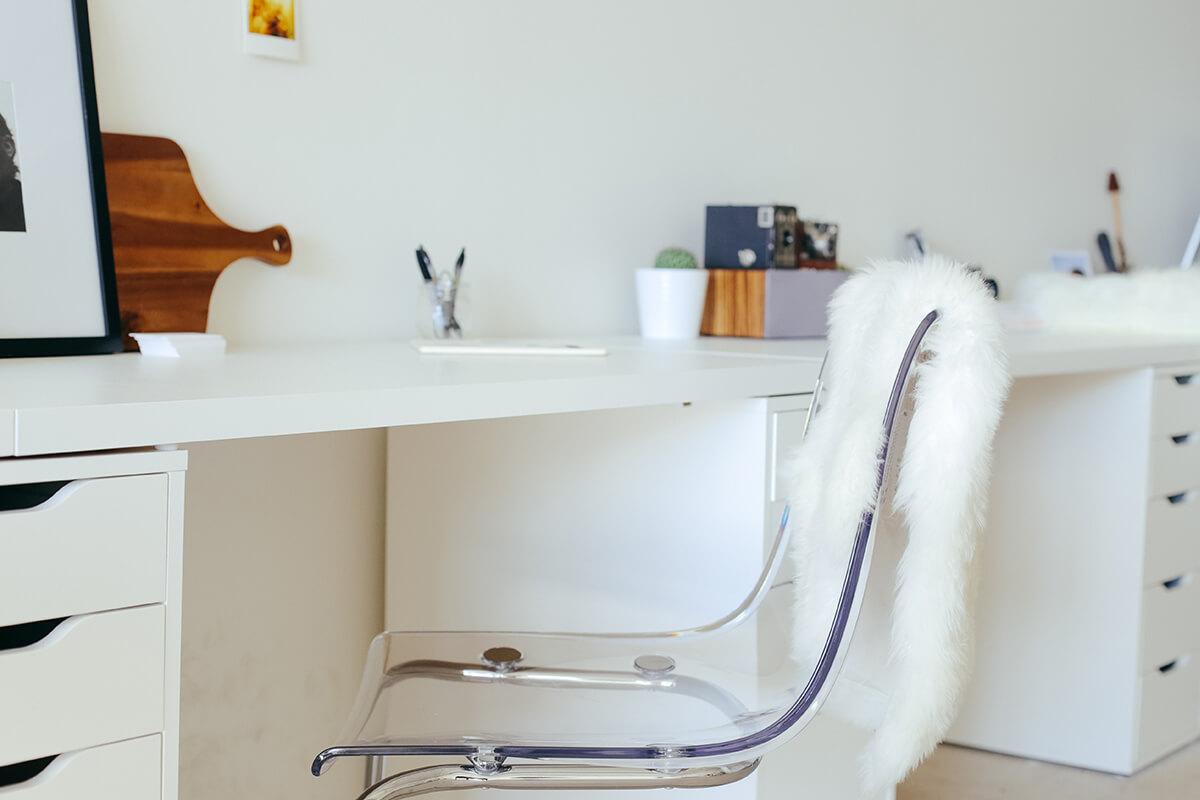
{"points": [[750, 237]]}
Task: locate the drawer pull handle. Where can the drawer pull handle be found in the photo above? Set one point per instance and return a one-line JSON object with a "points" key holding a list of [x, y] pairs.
{"points": [[1180, 498], [1186, 380], [15, 774], [15, 637], [25, 496], [1169, 666], [1183, 438], [1176, 582]]}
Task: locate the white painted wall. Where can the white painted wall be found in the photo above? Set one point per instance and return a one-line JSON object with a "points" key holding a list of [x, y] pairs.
{"points": [[282, 592], [564, 141]]}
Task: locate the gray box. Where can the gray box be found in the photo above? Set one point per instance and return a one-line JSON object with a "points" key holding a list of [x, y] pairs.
{"points": [[795, 301]]}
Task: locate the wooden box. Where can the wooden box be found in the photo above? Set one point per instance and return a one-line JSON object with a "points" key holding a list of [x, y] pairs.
{"points": [[769, 303]]}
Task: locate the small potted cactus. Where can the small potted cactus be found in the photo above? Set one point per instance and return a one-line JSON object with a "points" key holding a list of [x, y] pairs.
{"points": [[671, 296]]}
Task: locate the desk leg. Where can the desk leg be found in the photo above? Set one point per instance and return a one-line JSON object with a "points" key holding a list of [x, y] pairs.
{"points": [[174, 637]]}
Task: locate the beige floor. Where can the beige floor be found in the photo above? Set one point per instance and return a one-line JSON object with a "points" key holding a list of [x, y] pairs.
{"points": [[956, 773]]}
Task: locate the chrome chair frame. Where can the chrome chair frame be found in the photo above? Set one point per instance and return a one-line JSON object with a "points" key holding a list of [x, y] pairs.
{"points": [[696, 766]]}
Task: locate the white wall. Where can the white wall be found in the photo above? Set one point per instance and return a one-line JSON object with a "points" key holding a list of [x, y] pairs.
{"points": [[282, 592], [564, 141]]}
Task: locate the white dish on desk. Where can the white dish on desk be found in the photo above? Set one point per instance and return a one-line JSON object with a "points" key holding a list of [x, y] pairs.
{"points": [[179, 345]]}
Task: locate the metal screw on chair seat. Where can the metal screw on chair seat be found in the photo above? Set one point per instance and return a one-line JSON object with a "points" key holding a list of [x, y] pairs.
{"points": [[485, 761], [654, 666], [501, 659]]}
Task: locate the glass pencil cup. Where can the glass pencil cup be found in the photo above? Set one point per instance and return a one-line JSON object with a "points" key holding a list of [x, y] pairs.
{"points": [[438, 307]]}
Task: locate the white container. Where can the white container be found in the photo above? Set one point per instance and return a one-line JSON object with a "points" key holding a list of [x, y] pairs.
{"points": [[671, 302]]}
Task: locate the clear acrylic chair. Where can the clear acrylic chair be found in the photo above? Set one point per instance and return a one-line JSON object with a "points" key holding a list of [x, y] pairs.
{"points": [[683, 709]]}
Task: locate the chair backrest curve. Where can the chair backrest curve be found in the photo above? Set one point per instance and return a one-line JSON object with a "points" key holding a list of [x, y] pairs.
{"points": [[895, 424]]}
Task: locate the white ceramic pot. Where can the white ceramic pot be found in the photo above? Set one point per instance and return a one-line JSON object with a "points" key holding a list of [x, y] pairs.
{"points": [[671, 302]]}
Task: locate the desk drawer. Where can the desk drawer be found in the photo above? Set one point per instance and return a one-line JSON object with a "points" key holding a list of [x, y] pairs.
{"points": [[124, 771], [1171, 621], [93, 545], [1172, 535], [1174, 461], [92, 680], [1177, 400], [1170, 710]]}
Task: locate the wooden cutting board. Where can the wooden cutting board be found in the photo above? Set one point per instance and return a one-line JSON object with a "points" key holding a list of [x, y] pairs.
{"points": [[168, 245]]}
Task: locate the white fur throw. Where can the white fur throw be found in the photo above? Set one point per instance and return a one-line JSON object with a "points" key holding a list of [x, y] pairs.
{"points": [[940, 496], [1165, 302]]}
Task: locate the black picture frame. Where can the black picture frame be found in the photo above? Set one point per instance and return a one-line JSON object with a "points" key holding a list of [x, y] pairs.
{"points": [[111, 341]]}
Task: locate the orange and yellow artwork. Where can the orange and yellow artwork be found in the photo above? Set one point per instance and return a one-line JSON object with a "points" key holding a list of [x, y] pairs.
{"points": [[273, 18]]}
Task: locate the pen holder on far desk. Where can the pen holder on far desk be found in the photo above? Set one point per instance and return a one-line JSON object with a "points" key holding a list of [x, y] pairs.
{"points": [[439, 309]]}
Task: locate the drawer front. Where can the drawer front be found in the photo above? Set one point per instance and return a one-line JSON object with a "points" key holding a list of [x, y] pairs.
{"points": [[1172, 535], [1174, 462], [1171, 621], [124, 771], [95, 545], [93, 680], [1170, 710], [1177, 400]]}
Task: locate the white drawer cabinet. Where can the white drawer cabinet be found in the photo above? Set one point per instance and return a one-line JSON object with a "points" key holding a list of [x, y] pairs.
{"points": [[1089, 608], [92, 545], [90, 590], [130, 770]]}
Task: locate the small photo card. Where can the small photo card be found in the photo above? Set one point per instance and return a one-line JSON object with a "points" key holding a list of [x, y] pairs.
{"points": [[269, 28]]}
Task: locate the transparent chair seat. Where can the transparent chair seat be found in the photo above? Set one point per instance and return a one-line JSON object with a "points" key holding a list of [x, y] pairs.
{"points": [[628, 696], [718, 697]]}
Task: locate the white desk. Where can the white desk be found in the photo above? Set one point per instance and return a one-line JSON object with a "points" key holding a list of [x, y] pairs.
{"points": [[50, 409]]}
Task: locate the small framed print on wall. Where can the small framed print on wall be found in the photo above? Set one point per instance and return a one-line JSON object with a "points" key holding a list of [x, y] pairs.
{"points": [[269, 28], [58, 292]]}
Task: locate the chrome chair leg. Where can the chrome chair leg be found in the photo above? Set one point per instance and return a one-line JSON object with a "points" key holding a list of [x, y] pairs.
{"points": [[562, 777], [374, 771]]}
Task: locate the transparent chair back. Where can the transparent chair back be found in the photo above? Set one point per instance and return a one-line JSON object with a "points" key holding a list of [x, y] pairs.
{"points": [[697, 707]]}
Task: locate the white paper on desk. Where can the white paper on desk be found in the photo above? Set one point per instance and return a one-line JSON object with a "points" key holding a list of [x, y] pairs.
{"points": [[482, 347]]}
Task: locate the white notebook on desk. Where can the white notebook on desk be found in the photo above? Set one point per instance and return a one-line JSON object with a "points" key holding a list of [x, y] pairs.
{"points": [[484, 347]]}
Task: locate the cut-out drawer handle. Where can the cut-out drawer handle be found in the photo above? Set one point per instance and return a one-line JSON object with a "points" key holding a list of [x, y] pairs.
{"points": [[1181, 497], [15, 637], [1176, 582], [1187, 379], [1183, 438], [16, 774], [25, 496]]}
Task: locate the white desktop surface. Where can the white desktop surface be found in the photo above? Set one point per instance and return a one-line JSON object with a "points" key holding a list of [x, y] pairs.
{"points": [[64, 405], [1030, 354]]}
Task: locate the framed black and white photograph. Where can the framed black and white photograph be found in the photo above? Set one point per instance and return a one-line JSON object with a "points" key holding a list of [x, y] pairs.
{"points": [[57, 284]]}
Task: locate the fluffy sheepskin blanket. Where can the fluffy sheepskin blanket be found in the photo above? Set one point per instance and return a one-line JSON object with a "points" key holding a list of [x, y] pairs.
{"points": [[939, 498], [1165, 302]]}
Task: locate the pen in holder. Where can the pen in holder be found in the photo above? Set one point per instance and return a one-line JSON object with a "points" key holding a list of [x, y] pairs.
{"points": [[443, 294]]}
